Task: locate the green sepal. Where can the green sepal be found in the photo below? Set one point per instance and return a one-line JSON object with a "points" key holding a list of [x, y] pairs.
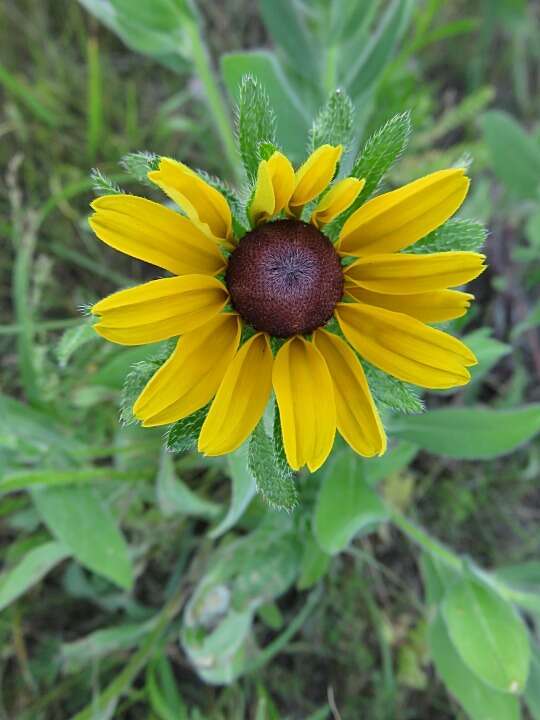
{"points": [[266, 149], [139, 164], [267, 464], [391, 392], [378, 155], [466, 235], [256, 123], [137, 378], [183, 435], [102, 184], [237, 211], [333, 124]]}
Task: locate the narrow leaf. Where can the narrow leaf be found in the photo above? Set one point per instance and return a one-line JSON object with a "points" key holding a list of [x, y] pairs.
{"points": [[31, 569], [175, 497], [453, 235]]}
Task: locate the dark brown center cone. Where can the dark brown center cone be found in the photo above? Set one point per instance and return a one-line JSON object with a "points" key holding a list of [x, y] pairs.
{"points": [[285, 278]]}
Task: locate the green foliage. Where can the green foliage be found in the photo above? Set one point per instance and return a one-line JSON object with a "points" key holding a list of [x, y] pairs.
{"points": [[470, 433], [334, 123], [489, 636], [275, 480], [288, 30], [475, 697], [371, 62], [73, 339], [83, 523], [256, 123], [514, 155], [32, 568], [346, 505]]}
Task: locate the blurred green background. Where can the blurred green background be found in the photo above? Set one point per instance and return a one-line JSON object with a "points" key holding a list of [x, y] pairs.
{"points": [[120, 561]]}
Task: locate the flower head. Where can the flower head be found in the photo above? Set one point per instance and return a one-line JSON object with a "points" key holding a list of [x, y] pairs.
{"points": [[284, 309]]}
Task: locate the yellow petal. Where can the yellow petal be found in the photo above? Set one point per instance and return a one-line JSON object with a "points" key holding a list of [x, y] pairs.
{"points": [[283, 179], [263, 203], [204, 205], [153, 233], [159, 309], [397, 219], [275, 182], [192, 374], [336, 201], [402, 274], [305, 397], [405, 347], [240, 400], [429, 307], [358, 420], [314, 176]]}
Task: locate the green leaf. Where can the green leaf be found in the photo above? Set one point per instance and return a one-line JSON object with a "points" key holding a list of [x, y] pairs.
{"points": [[275, 480], [394, 459], [113, 372], [72, 340], [243, 489], [514, 155], [438, 578], [85, 525], [315, 563], [532, 691], [256, 123], [175, 497], [333, 124], [453, 235], [183, 435], [292, 120], [157, 30], [378, 155], [289, 32], [488, 352], [477, 699], [489, 636], [31, 569], [346, 505], [382, 43], [162, 690], [101, 644], [469, 433]]}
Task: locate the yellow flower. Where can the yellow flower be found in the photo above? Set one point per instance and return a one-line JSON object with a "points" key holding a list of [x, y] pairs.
{"points": [[285, 279]]}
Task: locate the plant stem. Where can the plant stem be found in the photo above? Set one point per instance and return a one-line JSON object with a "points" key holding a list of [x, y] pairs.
{"points": [[123, 680], [201, 61], [422, 538]]}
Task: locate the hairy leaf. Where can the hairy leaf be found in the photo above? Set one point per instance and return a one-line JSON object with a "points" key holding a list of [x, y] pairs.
{"points": [[334, 122], [273, 476], [256, 123]]}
